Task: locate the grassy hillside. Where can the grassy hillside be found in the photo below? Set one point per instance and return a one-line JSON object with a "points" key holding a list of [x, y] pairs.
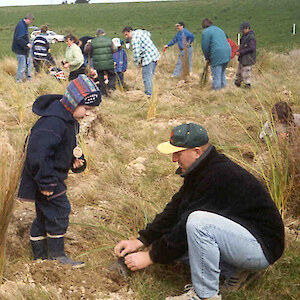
{"points": [[127, 181], [271, 19]]}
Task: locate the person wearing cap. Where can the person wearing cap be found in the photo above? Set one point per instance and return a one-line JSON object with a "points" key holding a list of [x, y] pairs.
{"points": [[101, 49], [247, 56], [21, 47], [120, 60], [145, 54], [217, 52], [184, 39], [222, 218], [51, 150]]}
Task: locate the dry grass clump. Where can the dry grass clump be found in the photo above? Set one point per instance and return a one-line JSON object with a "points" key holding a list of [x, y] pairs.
{"points": [[9, 65], [20, 291], [11, 167], [293, 204]]}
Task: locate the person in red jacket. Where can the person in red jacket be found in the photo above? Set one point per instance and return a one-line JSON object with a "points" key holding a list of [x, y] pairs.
{"points": [[233, 45]]}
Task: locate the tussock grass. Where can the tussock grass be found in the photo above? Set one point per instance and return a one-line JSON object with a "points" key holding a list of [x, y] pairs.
{"points": [[9, 65], [11, 166]]}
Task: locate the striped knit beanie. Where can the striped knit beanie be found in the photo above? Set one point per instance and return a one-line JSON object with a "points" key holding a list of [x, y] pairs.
{"points": [[81, 91]]}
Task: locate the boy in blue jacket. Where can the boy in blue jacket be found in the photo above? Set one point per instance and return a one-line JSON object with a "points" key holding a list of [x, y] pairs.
{"points": [[184, 39], [120, 60], [52, 149]]}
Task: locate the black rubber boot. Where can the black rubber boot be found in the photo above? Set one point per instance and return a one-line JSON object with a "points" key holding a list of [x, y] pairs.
{"points": [[57, 252], [39, 249]]}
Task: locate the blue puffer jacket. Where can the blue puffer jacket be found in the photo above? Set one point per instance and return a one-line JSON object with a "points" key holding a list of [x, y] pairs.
{"points": [[120, 58], [20, 39], [215, 46], [179, 38], [49, 148]]}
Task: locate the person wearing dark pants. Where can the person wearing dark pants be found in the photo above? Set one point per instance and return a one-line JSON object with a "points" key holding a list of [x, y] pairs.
{"points": [[101, 49], [73, 58], [42, 58], [111, 76], [52, 150], [120, 61]]}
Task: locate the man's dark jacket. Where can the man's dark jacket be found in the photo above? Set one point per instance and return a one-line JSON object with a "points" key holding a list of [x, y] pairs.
{"points": [[216, 184], [20, 39], [248, 49], [49, 148]]}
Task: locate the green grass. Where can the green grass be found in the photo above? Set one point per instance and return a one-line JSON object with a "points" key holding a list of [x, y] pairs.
{"points": [[271, 20]]}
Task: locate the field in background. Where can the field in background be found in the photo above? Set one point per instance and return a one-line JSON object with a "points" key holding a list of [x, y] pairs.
{"points": [[271, 20]]}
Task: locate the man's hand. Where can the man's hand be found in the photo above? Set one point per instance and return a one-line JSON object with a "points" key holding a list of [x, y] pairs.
{"points": [[237, 53], [78, 163], [138, 261], [47, 193], [125, 247], [166, 46], [28, 45]]}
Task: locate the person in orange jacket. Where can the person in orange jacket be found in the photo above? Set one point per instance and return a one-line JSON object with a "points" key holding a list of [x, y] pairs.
{"points": [[233, 45]]}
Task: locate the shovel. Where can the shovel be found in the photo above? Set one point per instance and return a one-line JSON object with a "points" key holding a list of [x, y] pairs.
{"points": [[203, 79]]}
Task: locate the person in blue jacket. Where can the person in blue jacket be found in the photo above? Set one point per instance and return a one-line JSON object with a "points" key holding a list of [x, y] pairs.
{"points": [[184, 39], [51, 150], [21, 47], [217, 52], [120, 60]]}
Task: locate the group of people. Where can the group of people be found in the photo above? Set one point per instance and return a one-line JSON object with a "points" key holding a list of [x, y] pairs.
{"points": [[109, 60], [221, 222]]}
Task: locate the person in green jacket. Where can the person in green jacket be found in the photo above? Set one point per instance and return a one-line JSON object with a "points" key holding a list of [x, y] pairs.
{"points": [[73, 57], [101, 49]]}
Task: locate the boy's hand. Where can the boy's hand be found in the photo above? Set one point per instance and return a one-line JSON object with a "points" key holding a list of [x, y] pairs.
{"points": [[47, 193], [78, 163]]}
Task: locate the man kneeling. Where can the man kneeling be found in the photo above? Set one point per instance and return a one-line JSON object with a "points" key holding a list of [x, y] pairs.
{"points": [[222, 217]]}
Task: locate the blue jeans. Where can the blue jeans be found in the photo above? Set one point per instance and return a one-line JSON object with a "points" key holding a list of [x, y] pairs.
{"points": [[148, 72], [178, 67], [219, 76], [24, 65], [217, 244]]}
